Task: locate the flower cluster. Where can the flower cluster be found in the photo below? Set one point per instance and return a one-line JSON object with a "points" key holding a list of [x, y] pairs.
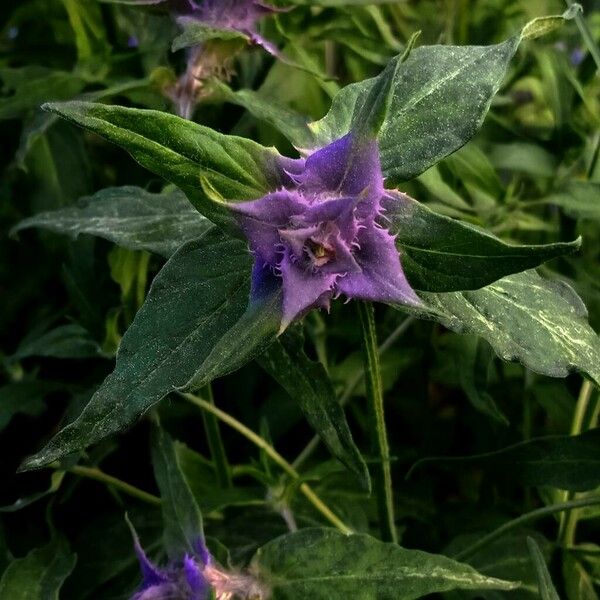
{"points": [[194, 578], [323, 234]]}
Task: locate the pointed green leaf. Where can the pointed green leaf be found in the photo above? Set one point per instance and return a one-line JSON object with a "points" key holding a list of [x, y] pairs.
{"points": [[182, 520], [543, 324], [545, 585], [440, 96], [560, 461], [322, 564], [440, 254], [39, 575], [30, 86], [130, 217], [184, 153], [307, 382], [194, 326]]}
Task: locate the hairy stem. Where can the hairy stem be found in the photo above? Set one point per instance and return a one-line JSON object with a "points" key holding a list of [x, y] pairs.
{"points": [[383, 478], [126, 488], [215, 442], [273, 454], [523, 520]]}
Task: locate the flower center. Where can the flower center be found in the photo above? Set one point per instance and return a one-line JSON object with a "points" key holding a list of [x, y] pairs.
{"points": [[319, 253]]}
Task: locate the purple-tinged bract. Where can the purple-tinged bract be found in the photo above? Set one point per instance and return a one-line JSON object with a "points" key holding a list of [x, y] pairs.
{"points": [[323, 234]]}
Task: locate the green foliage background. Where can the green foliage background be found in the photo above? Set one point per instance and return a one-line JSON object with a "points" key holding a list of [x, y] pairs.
{"points": [[531, 175]]}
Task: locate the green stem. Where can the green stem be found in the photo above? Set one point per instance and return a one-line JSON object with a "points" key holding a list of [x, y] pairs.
{"points": [[273, 454], [383, 479], [351, 386], [98, 475], [534, 515], [568, 521], [215, 442], [586, 34]]}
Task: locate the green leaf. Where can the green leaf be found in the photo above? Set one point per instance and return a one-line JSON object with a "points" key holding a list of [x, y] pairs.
{"points": [[24, 397], [307, 382], [185, 153], [578, 583], [543, 324], [440, 254], [194, 326], [505, 558], [440, 97], [560, 461], [467, 359], [65, 341], [322, 564], [39, 575], [182, 520], [546, 587], [130, 217], [524, 158], [93, 49], [579, 199], [196, 33], [30, 86]]}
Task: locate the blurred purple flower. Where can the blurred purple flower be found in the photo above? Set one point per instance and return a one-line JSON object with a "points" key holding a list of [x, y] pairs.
{"points": [[322, 234], [193, 578], [235, 15], [577, 57]]}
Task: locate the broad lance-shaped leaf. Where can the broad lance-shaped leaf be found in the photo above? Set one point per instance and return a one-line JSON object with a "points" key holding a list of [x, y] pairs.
{"points": [[182, 520], [130, 217], [322, 564], [208, 166], [307, 382], [560, 461], [38, 575], [543, 324], [194, 326], [440, 254], [441, 95]]}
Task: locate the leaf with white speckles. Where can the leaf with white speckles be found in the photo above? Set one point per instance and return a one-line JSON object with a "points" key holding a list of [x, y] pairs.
{"points": [[322, 564], [543, 324], [194, 326], [130, 217]]}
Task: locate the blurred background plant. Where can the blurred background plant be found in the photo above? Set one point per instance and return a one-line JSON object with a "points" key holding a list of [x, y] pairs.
{"points": [[531, 175]]}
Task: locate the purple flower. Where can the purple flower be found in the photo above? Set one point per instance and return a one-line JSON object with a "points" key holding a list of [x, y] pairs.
{"points": [[236, 15], [193, 578], [184, 581], [323, 234]]}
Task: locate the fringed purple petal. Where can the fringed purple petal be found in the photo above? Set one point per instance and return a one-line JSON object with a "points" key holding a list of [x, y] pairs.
{"points": [[261, 219], [199, 587], [382, 278], [342, 167], [303, 290]]}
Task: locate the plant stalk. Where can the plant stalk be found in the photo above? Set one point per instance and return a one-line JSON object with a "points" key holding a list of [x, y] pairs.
{"points": [[351, 386], [587, 36], [568, 521], [383, 478], [98, 475], [522, 520], [273, 454], [215, 442]]}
